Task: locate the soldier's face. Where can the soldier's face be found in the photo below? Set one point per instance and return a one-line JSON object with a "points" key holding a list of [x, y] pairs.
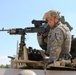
{"points": [[51, 21]]}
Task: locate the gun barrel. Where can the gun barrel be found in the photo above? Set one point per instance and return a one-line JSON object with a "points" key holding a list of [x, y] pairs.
{"points": [[4, 29]]}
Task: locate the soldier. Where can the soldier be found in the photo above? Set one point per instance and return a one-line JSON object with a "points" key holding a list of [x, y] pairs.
{"points": [[59, 37]]}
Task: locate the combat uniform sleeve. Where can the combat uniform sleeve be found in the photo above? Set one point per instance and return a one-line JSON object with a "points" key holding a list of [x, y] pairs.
{"points": [[56, 44]]}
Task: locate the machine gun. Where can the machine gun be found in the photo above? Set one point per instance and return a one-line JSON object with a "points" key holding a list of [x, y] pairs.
{"points": [[38, 28]]}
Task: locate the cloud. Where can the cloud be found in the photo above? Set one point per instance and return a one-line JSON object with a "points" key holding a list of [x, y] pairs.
{"points": [[3, 57], [4, 60]]}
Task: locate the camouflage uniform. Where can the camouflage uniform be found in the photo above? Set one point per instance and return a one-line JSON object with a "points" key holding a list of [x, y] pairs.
{"points": [[59, 41]]}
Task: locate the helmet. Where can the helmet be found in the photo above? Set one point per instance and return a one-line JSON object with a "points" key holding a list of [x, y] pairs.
{"points": [[51, 13], [27, 72]]}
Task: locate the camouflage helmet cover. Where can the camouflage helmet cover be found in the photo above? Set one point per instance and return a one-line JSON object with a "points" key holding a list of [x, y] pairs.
{"points": [[51, 13]]}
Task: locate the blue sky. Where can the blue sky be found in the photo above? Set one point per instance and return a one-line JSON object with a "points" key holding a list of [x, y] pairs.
{"points": [[20, 13]]}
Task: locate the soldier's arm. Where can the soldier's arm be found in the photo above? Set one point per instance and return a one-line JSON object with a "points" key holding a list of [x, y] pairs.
{"points": [[56, 44]]}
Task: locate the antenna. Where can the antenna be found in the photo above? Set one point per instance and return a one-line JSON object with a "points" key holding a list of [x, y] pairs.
{"points": [[17, 50]]}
